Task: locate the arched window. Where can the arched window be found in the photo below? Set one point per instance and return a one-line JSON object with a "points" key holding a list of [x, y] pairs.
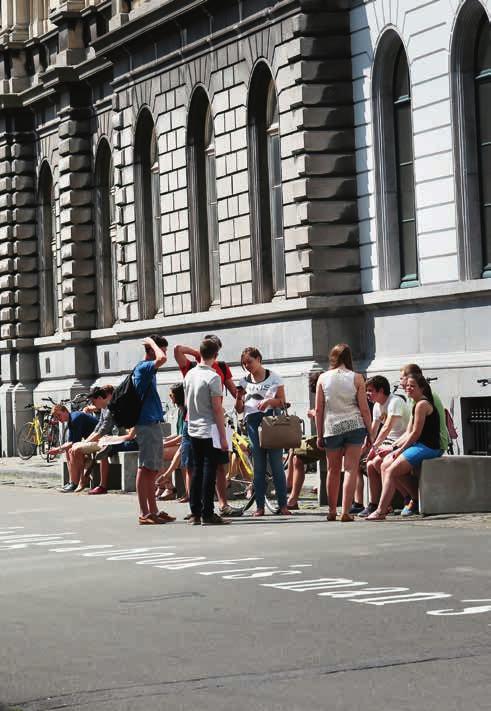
{"points": [[483, 113], [202, 197], [148, 231], [106, 263], [396, 211], [268, 252], [48, 288]]}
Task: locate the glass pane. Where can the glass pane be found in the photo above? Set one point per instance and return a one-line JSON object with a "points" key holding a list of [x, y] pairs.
{"points": [[403, 132], [212, 215], [409, 259], [486, 235], [401, 76], [483, 52], [406, 192], [485, 174], [209, 133], [483, 95], [272, 106]]}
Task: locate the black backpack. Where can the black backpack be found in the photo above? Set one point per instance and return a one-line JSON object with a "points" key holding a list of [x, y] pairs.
{"points": [[126, 404]]}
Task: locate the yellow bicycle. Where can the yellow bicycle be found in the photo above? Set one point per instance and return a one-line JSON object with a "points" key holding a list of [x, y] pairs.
{"points": [[241, 473], [38, 435]]}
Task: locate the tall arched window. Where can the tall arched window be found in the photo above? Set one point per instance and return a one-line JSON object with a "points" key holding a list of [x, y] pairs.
{"points": [[48, 288], [106, 264], [202, 197], [471, 92], [396, 211], [268, 252], [483, 113], [148, 232]]}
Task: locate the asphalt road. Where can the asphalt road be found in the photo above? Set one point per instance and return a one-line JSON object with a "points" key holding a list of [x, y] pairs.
{"points": [[181, 617]]}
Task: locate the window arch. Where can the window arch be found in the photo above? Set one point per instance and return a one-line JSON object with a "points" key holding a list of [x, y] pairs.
{"points": [[471, 90], [47, 252], [147, 213], [203, 206], [105, 244], [268, 252], [396, 210]]}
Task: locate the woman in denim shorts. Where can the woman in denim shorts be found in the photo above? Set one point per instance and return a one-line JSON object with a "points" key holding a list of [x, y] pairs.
{"points": [[343, 421]]}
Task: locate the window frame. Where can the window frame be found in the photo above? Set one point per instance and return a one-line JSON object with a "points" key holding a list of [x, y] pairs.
{"points": [[105, 237]]}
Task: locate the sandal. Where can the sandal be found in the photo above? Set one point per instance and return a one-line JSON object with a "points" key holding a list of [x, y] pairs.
{"points": [[346, 517], [376, 516], [293, 507], [183, 500], [150, 520], [258, 513], [168, 495], [331, 516], [284, 511]]}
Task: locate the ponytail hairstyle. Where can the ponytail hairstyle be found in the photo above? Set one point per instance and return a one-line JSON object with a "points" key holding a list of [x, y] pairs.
{"points": [[341, 355], [424, 385]]}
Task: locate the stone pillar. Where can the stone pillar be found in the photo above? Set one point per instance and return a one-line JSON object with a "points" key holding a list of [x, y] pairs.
{"points": [[322, 242], [120, 13], [123, 159], [15, 20], [19, 309], [76, 198]]}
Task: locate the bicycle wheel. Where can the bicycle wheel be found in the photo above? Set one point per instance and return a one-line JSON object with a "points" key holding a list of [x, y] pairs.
{"points": [[269, 498], [240, 481], [26, 441], [51, 438]]}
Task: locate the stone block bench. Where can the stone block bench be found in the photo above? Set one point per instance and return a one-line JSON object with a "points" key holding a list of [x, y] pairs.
{"points": [[455, 484]]}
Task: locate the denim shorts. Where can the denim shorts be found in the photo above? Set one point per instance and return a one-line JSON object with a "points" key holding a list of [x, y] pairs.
{"points": [[344, 440], [186, 448], [418, 452]]}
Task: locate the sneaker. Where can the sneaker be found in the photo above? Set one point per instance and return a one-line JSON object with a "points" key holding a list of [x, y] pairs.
{"points": [[356, 508], [98, 490], [411, 509], [215, 520], [367, 511], [68, 488], [193, 520], [229, 512]]}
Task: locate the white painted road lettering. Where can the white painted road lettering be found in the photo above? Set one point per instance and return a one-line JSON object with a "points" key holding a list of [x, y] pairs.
{"points": [[164, 557]]}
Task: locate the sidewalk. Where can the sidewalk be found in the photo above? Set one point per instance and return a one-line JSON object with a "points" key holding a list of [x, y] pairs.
{"points": [[33, 472]]}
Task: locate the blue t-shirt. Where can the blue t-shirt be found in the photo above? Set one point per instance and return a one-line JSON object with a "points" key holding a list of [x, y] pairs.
{"points": [[80, 426], [146, 386]]}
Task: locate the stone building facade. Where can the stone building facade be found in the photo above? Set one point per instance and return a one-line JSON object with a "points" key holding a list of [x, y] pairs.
{"points": [[287, 173]]}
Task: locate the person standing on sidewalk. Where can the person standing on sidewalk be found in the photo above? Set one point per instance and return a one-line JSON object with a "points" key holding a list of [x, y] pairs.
{"points": [[222, 369], [203, 389], [149, 430]]}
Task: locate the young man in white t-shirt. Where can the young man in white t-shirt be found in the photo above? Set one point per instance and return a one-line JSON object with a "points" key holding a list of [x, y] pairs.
{"points": [[390, 418], [203, 394]]}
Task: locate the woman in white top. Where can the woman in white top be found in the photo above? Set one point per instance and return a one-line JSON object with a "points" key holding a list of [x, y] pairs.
{"points": [[257, 395], [342, 420]]}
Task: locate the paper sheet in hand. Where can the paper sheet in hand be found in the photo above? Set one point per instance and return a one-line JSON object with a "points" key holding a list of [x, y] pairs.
{"points": [[215, 436]]}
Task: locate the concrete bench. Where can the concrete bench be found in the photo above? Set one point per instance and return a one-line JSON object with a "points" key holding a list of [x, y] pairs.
{"points": [[455, 484], [129, 466]]}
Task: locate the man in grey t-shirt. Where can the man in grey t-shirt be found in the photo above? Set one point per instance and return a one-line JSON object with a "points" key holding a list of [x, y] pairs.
{"points": [[203, 393]]}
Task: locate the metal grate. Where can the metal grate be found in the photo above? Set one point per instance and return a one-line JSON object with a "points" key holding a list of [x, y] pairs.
{"points": [[480, 423]]}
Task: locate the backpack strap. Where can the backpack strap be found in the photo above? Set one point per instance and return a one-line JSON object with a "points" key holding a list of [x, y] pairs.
{"points": [[223, 367]]}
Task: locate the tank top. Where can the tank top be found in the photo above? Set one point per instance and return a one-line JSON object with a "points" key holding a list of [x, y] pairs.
{"points": [[430, 434], [341, 413]]}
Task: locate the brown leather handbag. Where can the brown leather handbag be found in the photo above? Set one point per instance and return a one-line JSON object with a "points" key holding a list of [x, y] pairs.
{"points": [[280, 431]]}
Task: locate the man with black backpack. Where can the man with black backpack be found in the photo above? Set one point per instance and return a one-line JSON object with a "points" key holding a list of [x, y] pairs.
{"points": [[149, 429], [221, 368]]}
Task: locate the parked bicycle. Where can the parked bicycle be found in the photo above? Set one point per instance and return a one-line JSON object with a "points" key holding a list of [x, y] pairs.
{"points": [[241, 472], [40, 434]]}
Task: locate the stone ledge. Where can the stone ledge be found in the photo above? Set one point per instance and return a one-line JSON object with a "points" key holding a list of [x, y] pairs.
{"points": [[455, 484]]}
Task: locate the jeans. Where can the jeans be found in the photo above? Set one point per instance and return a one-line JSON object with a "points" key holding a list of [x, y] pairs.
{"points": [[259, 458], [203, 477]]}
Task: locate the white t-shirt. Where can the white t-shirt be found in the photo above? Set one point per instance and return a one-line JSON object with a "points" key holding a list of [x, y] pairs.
{"points": [[257, 392], [200, 385], [394, 406]]}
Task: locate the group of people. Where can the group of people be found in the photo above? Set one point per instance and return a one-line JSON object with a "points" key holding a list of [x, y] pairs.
{"points": [[359, 423]]}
